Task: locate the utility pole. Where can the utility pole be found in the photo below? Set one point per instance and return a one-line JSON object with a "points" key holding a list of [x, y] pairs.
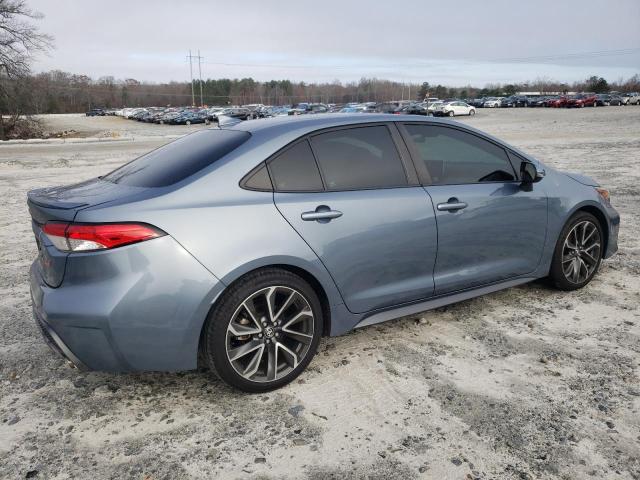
{"points": [[200, 74], [193, 96], [193, 100]]}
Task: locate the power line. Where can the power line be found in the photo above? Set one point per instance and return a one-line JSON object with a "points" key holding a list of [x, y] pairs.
{"points": [[530, 59]]}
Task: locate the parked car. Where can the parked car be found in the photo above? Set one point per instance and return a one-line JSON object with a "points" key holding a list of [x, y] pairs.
{"points": [[631, 98], [306, 108], [433, 106], [557, 102], [236, 112], [96, 112], [280, 111], [603, 100], [388, 107], [615, 99], [581, 100], [233, 247], [492, 102], [514, 101], [454, 108], [351, 110], [413, 109], [189, 117], [536, 101], [478, 102]]}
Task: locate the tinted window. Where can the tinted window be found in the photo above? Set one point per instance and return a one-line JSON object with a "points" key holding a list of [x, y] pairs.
{"points": [[295, 170], [454, 157], [179, 159], [258, 180], [359, 158]]}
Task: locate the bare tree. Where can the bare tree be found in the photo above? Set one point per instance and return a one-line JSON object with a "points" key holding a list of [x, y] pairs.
{"points": [[20, 40]]}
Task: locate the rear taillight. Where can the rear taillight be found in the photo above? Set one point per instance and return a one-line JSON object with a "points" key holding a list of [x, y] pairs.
{"points": [[79, 237]]}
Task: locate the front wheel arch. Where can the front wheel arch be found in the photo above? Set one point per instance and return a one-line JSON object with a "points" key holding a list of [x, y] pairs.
{"points": [[602, 219]]}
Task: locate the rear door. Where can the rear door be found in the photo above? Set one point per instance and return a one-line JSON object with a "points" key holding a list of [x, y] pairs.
{"points": [[352, 194], [489, 227]]}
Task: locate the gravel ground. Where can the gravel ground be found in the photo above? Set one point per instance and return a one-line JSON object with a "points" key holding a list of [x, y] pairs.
{"points": [[520, 384]]}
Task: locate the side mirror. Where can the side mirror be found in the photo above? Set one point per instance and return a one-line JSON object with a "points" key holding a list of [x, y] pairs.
{"points": [[529, 173]]}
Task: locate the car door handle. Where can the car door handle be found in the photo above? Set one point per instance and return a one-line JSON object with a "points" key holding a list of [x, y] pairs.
{"points": [[321, 214], [452, 205]]}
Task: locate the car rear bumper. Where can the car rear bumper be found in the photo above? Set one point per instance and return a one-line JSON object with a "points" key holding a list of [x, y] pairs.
{"points": [[139, 307], [56, 344]]}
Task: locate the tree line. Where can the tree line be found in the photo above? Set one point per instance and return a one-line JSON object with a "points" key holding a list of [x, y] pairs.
{"points": [[63, 92]]}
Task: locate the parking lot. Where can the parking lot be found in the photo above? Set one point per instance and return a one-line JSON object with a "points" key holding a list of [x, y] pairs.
{"points": [[525, 383]]}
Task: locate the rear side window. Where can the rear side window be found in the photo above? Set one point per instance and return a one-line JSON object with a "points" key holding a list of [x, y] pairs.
{"points": [[295, 170], [451, 156], [179, 159], [359, 158]]}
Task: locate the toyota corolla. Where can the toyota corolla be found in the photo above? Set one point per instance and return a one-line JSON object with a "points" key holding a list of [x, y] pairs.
{"points": [[238, 248]]}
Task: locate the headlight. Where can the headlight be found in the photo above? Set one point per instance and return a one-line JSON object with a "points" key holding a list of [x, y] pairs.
{"points": [[604, 194]]}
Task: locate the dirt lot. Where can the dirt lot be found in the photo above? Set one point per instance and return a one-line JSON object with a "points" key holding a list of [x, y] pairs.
{"points": [[524, 383]]}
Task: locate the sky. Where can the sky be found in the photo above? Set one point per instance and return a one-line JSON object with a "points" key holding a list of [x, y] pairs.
{"points": [[453, 42]]}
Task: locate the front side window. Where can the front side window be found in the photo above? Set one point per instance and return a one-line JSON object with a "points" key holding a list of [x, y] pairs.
{"points": [[359, 158], [295, 170], [451, 156]]}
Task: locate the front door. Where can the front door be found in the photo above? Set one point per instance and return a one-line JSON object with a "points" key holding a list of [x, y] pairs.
{"points": [[489, 227]]}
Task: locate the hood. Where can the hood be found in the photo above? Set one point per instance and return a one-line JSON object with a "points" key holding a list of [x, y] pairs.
{"points": [[583, 179]]}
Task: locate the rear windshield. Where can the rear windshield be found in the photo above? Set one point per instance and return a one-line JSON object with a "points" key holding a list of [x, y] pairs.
{"points": [[179, 159]]}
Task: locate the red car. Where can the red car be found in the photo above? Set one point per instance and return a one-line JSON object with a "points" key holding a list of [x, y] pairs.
{"points": [[582, 100], [557, 102]]}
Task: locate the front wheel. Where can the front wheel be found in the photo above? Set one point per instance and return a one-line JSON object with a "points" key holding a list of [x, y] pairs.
{"points": [[578, 252], [450, 113], [264, 331], [472, 112]]}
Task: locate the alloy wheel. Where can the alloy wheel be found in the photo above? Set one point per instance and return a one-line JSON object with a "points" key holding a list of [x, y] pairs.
{"points": [[581, 252], [270, 334]]}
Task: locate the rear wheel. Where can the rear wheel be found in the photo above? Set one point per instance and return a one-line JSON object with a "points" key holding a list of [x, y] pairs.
{"points": [[264, 331], [578, 252]]}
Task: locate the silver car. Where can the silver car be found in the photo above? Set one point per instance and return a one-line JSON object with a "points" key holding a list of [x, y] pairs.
{"points": [[240, 247]]}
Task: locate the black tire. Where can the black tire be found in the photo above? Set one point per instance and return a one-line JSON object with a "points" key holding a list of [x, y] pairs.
{"points": [[214, 344], [450, 114], [557, 276]]}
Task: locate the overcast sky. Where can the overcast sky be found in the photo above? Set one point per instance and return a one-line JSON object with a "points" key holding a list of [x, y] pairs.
{"points": [[455, 42]]}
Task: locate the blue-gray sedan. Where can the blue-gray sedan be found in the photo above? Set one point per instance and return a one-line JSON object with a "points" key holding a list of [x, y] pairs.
{"points": [[240, 247]]}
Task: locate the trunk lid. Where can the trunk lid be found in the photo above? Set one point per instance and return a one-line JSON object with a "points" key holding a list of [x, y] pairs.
{"points": [[61, 204]]}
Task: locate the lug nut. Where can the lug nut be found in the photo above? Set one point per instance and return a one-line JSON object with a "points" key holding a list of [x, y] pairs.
{"points": [[259, 335]]}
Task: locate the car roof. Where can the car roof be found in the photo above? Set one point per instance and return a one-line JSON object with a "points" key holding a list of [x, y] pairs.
{"points": [[283, 130], [324, 120]]}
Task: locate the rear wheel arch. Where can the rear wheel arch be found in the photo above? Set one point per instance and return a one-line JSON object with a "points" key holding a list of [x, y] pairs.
{"points": [[305, 275]]}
